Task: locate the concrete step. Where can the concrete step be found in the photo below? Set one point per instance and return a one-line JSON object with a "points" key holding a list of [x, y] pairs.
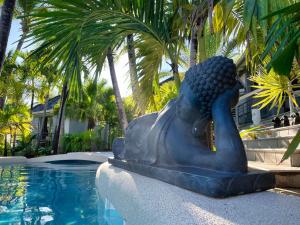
{"points": [[271, 142], [277, 132], [286, 176], [272, 156]]}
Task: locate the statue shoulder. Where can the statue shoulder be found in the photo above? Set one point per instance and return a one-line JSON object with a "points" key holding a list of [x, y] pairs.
{"points": [[145, 120]]}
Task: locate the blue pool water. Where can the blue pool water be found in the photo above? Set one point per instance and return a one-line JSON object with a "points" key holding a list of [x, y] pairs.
{"points": [[62, 194]]}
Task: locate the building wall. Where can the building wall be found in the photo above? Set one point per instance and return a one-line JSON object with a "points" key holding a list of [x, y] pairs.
{"points": [[35, 124], [75, 126]]}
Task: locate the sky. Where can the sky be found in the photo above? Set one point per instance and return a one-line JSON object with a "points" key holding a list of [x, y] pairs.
{"points": [[121, 66]]}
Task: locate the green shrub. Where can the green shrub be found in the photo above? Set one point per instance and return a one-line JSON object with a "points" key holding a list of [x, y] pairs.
{"points": [[81, 142], [91, 140]]}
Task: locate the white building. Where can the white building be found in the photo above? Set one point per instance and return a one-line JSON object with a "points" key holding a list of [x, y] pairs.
{"points": [[69, 125]]}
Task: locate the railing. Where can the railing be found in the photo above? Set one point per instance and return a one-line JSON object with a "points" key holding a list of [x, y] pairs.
{"points": [[243, 111]]}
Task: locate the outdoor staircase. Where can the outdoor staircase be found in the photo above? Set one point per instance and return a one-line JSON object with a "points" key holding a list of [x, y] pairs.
{"points": [[270, 145], [266, 151]]}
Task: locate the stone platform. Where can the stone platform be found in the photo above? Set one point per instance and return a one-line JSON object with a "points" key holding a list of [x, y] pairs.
{"points": [[146, 201], [207, 182]]}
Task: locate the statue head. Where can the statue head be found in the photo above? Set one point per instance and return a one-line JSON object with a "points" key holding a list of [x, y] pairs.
{"points": [[203, 83]]}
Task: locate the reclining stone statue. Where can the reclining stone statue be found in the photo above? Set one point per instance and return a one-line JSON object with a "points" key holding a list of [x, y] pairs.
{"points": [[173, 145]]}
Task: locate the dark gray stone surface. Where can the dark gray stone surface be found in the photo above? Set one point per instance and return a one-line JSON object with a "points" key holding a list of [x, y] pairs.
{"points": [[207, 182], [174, 140]]}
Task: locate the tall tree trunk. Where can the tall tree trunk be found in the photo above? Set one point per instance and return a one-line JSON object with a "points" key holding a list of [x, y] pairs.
{"points": [[40, 136], [132, 70], [25, 30], [5, 25], [248, 41], [5, 145], [174, 66], [56, 137], [121, 110], [210, 15], [20, 43], [193, 47], [14, 144], [91, 123], [32, 95], [2, 101], [201, 41]]}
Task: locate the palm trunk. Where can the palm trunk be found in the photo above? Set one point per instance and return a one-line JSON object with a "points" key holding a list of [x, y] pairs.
{"points": [[40, 136], [91, 123], [14, 144], [121, 110], [5, 145], [20, 43], [201, 41], [199, 29], [2, 102], [194, 47], [248, 36], [32, 95], [132, 69], [5, 25], [56, 137], [176, 75], [24, 34], [25, 29], [210, 15]]}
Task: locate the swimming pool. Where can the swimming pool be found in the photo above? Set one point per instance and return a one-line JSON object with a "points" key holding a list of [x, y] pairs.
{"points": [[53, 194]]}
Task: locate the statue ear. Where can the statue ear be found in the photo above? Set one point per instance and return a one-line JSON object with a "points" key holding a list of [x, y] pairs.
{"points": [[199, 127]]}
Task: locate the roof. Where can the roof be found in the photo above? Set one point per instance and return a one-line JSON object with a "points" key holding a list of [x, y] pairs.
{"points": [[165, 80], [51, 103]]}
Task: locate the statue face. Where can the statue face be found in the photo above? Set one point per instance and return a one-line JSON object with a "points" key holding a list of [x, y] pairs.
{"points": [[185, 109]]}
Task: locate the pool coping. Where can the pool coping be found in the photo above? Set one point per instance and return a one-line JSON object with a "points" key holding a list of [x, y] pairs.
{"points": [[85, 156], [147, 201]]}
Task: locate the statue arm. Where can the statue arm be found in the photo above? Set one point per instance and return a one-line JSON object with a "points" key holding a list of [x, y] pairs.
{"points": [[230, 148]]}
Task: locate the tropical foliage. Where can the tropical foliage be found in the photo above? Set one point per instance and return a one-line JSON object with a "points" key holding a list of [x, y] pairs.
{"points": [[275, 89], [73, 40]]}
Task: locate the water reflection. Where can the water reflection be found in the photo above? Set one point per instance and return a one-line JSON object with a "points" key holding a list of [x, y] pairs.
{"points": [[44, 194]]}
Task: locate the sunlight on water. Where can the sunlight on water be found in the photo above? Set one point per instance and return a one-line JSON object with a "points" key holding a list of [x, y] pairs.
{"points": [[53, 194]]}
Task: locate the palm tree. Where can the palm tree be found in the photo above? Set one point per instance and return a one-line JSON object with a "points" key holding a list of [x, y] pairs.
{"points": [[51, 79], [14, 118], [5, 24], [120, 106], [160, 27], [283, 39], [200, 13], [24, 7], [92, 56], [63, 100], [134, 82]]}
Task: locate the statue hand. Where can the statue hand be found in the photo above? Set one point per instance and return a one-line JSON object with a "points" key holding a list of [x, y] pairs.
{"points": [[229, 98]]}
